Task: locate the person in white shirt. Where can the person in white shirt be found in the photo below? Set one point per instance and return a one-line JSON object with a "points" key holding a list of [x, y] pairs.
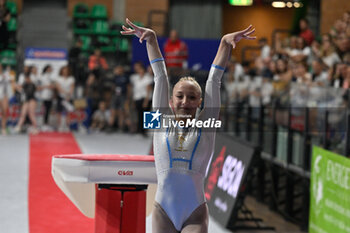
{"points": [[6, 85], [141, 83], [319, 75], [235, 87], [65, 88], [26, 69], [328, 51], [302, 52], [265, 48]]}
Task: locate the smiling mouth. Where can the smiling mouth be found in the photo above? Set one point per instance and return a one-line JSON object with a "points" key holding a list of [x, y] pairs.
{"points": [[185, 109]]}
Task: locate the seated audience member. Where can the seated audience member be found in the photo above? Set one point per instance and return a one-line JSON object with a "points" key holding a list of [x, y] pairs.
{"points": [[120, 97], [100, 117]]}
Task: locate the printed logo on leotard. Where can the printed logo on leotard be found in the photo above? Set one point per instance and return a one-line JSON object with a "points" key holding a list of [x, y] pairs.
{"points": [[189, 161], [181, 140]]}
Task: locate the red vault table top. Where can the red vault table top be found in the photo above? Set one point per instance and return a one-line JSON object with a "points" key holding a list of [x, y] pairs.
{"points": [[76, 175]]}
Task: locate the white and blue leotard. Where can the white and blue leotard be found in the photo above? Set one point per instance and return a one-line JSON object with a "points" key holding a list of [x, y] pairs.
{"points": [[181, 163]]}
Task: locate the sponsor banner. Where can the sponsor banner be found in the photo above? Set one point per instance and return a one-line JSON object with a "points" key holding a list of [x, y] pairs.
{"points": [[226, 174], [46, 53], [330, 192], [40, 57]]}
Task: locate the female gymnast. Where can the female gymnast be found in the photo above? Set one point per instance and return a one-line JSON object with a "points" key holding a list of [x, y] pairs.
{"points": [[182, 154]]}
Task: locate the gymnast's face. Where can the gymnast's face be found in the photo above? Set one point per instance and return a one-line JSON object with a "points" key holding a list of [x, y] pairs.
{"points": [[185, 100]]}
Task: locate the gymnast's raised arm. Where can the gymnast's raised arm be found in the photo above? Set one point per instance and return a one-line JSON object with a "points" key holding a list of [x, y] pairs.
{"points": [[212, 89], [161, 87]]}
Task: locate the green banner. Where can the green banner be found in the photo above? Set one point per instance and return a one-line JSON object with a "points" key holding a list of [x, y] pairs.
{"points": [[330, 193]]}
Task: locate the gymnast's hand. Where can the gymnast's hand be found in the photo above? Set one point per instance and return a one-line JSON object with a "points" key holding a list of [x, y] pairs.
{"points": [[235, 37], [140, 32]]}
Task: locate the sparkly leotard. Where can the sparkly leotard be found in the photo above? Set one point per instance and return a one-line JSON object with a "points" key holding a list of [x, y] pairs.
{"points": [[182, 154]]}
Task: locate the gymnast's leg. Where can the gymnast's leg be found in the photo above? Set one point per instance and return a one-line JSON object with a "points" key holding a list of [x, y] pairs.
{"points": [[198, 221], [161, 223]]}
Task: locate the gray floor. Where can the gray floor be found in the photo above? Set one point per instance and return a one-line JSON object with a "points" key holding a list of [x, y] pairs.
{"points": [[14, 151], [14, 154]]}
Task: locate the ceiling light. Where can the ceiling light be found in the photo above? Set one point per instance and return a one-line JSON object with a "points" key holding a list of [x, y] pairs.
{"points": [[279, 4], [297, 5]]}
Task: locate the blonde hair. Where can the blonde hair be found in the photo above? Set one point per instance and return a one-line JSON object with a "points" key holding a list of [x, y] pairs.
{"points": [[191, 79]]}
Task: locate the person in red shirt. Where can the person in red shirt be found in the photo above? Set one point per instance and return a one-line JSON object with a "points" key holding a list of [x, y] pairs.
{"points": [[305, 31], [97, 63], [176, 52]]}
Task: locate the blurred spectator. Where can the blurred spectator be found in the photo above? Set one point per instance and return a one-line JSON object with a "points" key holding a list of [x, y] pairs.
{"points": [[236, 90], [327, 51], [305, 31], [259, 67], [302, 51], [32, 71], [300, 73], [260, 92], [282, 72], [343, 44], [176, 52], [176, 55], [92, 92], [28, 90], [65, 87], [338, 75], [97, 63], [266, 91], [6, 86], [5, 17], [21, 76], [346, 17], [265, 48], [141, 83], [120, 97], [46, 85], [319, 76], [34, 74], [100, 117], [76, 66], [270, 68], [338, 27], [235, 69], [346, 83], [235, 83]]}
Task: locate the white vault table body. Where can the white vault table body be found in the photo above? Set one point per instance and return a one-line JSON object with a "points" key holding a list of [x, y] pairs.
{"points": [[76, 175]]}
